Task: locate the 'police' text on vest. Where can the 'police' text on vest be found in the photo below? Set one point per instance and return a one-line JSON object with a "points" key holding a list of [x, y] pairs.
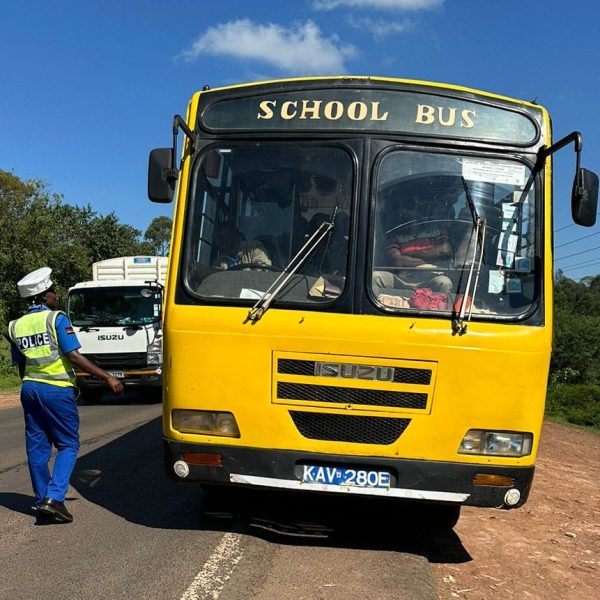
{"points": [[33, 341]]}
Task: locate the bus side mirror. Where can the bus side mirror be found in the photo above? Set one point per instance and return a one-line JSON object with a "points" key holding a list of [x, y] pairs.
{"points": [[584, 198], [162, 175]]}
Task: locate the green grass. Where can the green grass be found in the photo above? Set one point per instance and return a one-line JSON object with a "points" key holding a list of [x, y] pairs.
{"points": [[9, 383], [576, 404], [9, 377]]}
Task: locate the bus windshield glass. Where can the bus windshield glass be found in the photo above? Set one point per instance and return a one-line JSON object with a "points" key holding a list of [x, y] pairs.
{"points": [[253, 209], [114, 306], [426, 243]]}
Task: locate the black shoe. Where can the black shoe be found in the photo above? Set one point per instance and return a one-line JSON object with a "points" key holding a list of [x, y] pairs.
{"points": [[56, 509]]}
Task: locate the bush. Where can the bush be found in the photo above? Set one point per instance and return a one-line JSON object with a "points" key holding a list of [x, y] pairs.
{"points": [[9, 377], [577, 404]]}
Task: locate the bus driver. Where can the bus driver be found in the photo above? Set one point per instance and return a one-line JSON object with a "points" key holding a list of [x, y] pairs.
{"points": [[233, 249]]}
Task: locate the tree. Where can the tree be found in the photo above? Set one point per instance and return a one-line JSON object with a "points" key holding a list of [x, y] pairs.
{"points": [[38, 228], [576, 354], [158, 235]]}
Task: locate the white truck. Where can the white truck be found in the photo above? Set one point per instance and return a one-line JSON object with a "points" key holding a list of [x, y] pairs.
{"points": [[117, 318]]}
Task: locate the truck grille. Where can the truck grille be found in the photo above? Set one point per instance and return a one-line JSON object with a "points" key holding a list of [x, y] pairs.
{"points": [[349, 428], [120, 360]]}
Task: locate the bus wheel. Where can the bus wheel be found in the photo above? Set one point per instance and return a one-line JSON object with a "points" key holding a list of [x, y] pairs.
{"points": [[441, 516]]}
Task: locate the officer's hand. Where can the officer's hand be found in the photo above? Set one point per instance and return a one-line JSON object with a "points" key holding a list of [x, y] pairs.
{"points": [[114, 384]]}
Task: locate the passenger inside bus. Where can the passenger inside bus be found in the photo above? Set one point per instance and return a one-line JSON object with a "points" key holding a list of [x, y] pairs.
{"points": [[416, 254], [234, 251]]}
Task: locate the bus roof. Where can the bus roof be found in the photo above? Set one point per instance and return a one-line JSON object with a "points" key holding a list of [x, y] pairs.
{"points": [[365, 78]]}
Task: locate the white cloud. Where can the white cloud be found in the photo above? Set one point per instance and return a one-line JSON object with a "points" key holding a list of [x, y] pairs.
{"points": [[381, 28], [300, 50], [377, 4]]}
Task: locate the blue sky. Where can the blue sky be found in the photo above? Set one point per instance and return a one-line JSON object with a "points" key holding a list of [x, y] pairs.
{"points": [[89, 87]]}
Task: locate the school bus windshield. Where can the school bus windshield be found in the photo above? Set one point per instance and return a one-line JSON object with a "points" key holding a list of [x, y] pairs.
{"points": [[425, 243], [253, 208]]}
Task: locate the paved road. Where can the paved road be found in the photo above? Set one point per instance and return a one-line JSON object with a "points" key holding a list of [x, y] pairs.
{"points": [[138, 535]]}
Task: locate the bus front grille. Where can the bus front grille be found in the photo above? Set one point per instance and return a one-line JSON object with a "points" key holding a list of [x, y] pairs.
{"points": [[348, 395], [349, 428], [415, 376]]}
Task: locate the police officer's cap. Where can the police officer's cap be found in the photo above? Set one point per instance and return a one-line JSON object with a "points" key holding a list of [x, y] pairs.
{"points": [[34, 283]]}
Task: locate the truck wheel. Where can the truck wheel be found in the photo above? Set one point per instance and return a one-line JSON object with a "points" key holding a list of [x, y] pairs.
{"points": [[91, 396], [154, 394]]}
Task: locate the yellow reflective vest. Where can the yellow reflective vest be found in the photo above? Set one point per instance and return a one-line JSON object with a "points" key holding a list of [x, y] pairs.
{"points": [[35, 336]]}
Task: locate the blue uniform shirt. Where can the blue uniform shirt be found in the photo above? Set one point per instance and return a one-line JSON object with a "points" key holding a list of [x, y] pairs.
{"points": [[67, 340]]}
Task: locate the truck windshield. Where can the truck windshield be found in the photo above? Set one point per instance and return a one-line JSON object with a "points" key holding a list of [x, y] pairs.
{"points": [[114, 306], [254, 207], [445, 223]]}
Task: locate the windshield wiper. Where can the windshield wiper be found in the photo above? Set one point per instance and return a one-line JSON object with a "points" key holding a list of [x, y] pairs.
{"points": [[88, 328], [459, 325], [262, 305]]}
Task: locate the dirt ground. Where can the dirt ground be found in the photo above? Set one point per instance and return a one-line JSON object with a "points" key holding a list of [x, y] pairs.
{"points": [[8, 399], [547, 550]]}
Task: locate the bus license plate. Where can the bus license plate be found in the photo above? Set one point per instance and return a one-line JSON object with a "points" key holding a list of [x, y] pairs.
{"points": [[117, 374], [346, 477]]}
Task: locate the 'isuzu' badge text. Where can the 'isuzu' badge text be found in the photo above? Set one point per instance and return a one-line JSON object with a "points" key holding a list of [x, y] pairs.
{"points": [[349, 371]]}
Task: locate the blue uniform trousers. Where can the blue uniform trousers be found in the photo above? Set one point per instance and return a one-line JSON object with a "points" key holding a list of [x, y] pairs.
{"points": [[51, 419]]}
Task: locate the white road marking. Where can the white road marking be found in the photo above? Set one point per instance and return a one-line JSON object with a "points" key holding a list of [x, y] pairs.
{"points": [[217, 570]]}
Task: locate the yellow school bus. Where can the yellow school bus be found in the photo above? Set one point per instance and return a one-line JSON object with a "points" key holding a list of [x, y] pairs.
{"points": [[359, 297]]}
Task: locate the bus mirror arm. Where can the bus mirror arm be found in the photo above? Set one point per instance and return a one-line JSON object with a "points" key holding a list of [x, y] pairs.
{"points": [[584, 195], [162, 168], [179, 123]]}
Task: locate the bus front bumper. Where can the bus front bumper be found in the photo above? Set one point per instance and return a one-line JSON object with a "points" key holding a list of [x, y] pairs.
{"points": [[418, 480]]}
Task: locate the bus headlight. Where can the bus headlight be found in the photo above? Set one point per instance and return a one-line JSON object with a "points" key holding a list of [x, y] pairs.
{"points": [[206, 422], [496, 443]]}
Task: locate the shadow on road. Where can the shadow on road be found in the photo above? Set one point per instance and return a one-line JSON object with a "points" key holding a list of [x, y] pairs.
{"points": [[331, 520], [20, 503], [129, 396], [127, 478]]}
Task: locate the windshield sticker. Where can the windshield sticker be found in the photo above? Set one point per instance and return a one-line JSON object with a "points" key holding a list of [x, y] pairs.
{"points": [[496, 282], [249, 294], [513, 286], [507, 248], [492, 171], [522, 264], [508, 215]]}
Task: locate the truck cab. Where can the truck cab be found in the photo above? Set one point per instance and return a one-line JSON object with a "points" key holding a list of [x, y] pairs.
{"points": [[117, 318]]}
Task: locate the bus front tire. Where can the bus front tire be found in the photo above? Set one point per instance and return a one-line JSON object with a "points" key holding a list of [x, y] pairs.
{"points": [[441, 516]]}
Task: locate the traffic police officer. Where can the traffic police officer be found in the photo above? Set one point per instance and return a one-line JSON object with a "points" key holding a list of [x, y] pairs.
{"points": [[45, 348]]}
